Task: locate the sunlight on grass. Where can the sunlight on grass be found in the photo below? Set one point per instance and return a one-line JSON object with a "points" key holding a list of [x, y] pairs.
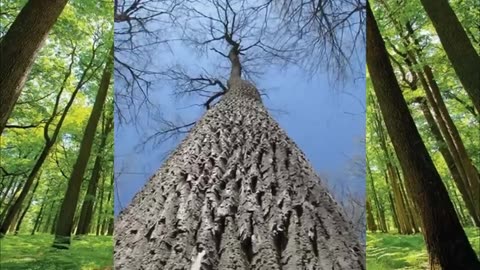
{"points": [[35, 252], [406, 252]]}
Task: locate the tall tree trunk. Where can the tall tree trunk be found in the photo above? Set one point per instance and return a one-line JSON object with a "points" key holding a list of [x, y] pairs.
{"points": [[440, 222], [49, 142], [86, 213], [459, 49], [51, 215], [236, 194], [443, 128], [380, 209], [392, 178], [472, 177], [447, 156], [370, 219], [100, 208], [20, 46], [9, 204], [38, 219], [6, 191], [69, 204], [108, 215], [110, 225], [20, 220]]}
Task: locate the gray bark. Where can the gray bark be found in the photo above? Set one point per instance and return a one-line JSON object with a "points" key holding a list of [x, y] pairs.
{"points": [[236, 194]]}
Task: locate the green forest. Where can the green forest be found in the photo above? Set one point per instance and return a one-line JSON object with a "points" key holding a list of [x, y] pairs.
{"points": [[56, 171], [402, 222]]}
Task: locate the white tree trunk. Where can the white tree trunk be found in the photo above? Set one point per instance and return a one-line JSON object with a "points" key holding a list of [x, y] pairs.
{"points": [[236, 194]]}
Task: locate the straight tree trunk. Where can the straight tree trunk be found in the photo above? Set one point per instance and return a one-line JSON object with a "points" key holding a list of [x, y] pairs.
{"points": [[100, 208], [110, 226], [447, 156], [38, 219], [10, 201], [49, 143], [51, 214], [22, 216], [67, 210], [459, 49], [86, 213], [236, 194], [371, 225], [108, 216], [6, 191], [380, 209], [444, 130], [20, 46], [440, 222]]}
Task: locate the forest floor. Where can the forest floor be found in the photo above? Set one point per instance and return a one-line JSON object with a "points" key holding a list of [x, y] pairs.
{"points": [[35, 252], [395, 251]]}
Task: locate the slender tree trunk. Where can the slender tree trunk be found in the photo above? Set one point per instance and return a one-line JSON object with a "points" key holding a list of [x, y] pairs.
{"points": [[108, 216], [69, 204], [38, 219], [459, 49], [442, 127], [447, 156], [20, 220], [6, 191], [86, 213], [11, 229], [236, 194], [100, 207], [17, 205], [410, 209], [51, 214], [380, 209], [49, 142], [20, 46], [10, 202], [110, 225], [471, 173], [439, 219], [370, 219], [54, 223]]}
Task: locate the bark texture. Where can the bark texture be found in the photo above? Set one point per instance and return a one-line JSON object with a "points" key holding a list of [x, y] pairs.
{"points": [[19, 47], [236, 194]]}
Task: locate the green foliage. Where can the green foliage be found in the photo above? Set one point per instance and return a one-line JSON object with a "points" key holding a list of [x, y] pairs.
{"points": [[84, 28], [35, 252]]}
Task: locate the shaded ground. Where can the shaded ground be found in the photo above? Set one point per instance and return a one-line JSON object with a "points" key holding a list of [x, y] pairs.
{"points": [[35, 252], [394, 251]]}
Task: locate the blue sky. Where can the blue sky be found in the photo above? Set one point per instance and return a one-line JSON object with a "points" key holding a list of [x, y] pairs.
{"points": [[326, 122]]}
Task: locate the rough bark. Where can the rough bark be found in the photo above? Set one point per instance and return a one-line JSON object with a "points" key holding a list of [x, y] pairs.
{"points": [[19, 48], [445, 238], [459, 49], [65, 220], [236, 194]]}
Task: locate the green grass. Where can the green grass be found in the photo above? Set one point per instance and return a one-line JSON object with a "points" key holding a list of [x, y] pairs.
{"points": [[35, 252], [394, 251]]}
